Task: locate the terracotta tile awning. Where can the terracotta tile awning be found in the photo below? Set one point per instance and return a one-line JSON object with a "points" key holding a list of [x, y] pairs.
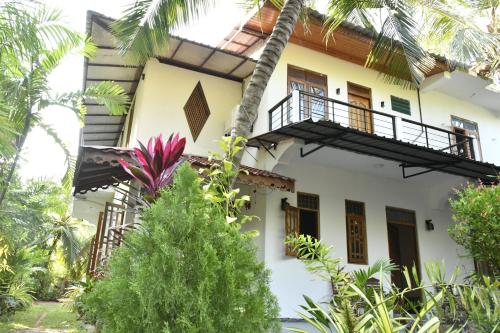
{"points": [[98, 167]]}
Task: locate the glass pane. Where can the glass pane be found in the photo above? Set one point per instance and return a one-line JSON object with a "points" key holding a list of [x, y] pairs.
{"points": [[294, 85], [318, 105]]}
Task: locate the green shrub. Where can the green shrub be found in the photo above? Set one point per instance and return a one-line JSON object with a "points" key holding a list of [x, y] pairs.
{"points": [[476, 209], [185, 270], [17, 267], [359, 306]]}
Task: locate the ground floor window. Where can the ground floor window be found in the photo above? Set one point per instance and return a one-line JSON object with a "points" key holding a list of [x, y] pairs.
{"points": [[303, 219], [356, 232]]}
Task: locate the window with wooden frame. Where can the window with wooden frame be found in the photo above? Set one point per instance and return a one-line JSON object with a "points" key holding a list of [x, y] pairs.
{"points": [[356, 232], [313, 83], [303, 219], [464, 127]]}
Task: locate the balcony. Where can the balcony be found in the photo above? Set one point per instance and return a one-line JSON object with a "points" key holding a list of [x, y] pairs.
{"points": [[324, 122]]}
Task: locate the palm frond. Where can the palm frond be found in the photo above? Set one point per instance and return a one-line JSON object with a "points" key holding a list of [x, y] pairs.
{"points": [[70, 159], [356, 11], [146, 25], [110, 94], [454, 33], [396, 47]]}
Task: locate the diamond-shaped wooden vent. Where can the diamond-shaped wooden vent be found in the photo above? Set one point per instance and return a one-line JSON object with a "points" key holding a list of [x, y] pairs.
{"points": [[197, 111]]}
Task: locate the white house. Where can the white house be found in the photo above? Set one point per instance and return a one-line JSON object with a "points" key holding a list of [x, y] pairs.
{"points": [[336, 152]]}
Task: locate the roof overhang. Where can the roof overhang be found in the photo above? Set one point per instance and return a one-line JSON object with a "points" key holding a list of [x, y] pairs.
{"points": [[109, 64], [464, 86], [330, 134], [348, 42], [99, 168]]}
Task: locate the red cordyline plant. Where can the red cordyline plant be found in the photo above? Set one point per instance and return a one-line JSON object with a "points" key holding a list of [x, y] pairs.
{"points": [[156, 163]]}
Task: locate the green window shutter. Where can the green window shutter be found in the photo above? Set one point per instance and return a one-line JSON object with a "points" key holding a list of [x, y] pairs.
{"points": [[400, 105]]}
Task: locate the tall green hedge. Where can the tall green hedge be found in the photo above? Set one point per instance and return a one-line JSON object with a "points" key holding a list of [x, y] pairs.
{"points": [[476, 211], [186, 270]]}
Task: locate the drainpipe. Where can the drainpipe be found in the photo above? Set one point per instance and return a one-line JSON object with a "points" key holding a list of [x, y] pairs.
{"points": [[419, 105]]}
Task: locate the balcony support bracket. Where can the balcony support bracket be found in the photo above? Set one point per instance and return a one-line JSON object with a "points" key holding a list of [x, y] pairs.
{"points": [[428, 166], [273, 144], [302, 154]]}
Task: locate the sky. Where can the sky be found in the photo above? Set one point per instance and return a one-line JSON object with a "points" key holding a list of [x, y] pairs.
{"points": [[41, 156]]}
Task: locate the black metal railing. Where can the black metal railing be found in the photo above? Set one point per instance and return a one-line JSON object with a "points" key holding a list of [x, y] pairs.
{"points": [[437, 138], [317, 107]]}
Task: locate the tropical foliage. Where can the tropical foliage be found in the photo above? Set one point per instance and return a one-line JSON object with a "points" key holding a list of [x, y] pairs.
{"points": [[476, 211], [156, 163], [41, 43], [210, 278], [219, 181], [43, 250], [16, 275], [405, 33], [364, 300]]}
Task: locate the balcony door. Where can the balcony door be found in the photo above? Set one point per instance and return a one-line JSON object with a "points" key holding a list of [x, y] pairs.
{"points": [[359, 98], [463, 147], [314, 84]]}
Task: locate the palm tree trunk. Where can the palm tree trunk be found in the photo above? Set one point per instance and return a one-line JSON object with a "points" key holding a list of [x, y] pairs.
{"points": [[247, 112]]}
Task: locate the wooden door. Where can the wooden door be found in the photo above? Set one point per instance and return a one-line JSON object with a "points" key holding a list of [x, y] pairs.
{"points": [[314, 84], [359, 118], [403, 249]]}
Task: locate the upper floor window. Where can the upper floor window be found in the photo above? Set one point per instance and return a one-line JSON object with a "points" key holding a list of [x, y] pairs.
{"points": [[464, 147], [313, 83]]}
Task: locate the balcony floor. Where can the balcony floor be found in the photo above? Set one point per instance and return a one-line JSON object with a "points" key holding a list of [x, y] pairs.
{"points": [[331, 134]]}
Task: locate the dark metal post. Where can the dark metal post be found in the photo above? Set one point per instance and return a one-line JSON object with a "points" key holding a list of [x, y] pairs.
{"points": [[394, 131], [449, 143], [270, 121], [471, 148], [426, 137], [281, 107]]}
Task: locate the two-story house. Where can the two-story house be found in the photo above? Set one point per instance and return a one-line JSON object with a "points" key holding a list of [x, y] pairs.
{"points": [[335, 153]]}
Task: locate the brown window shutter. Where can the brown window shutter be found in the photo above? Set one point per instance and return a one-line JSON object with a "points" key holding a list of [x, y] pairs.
{"points": [[291, 228]]}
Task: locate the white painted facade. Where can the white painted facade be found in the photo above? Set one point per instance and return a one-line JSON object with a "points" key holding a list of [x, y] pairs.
{"points": [[334, 175], [160, 100]]}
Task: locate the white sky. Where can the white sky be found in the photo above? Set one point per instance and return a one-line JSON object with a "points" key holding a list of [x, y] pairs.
{"points": [[42, 157]]}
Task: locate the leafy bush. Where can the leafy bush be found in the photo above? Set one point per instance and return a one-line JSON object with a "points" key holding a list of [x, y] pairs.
{"points": [[185, 270], [16, 277], [155, 163], [476, 209], [76, 296], [359, 306], [219, 179]]}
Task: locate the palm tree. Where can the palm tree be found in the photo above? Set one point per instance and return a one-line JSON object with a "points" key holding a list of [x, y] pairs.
{"points": [[405, 33], [63, 232], [33, 43]]}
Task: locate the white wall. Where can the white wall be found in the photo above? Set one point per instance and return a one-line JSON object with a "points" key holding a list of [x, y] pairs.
{"points": [[87, 206], [161, 98], [437, 108], [334, 185]]}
